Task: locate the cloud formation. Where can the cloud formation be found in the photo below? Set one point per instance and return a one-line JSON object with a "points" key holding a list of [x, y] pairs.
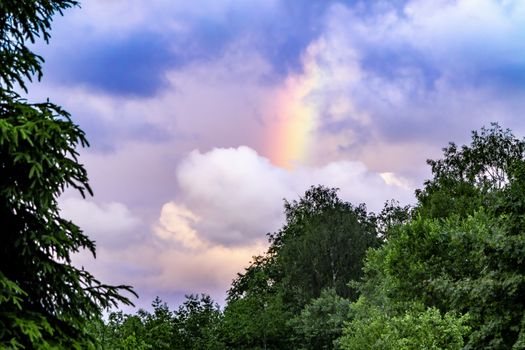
{"points": [[348, 94], [235, 196], [131, 56], [395, 77], [175, 225], [224, 202], [109, 224]]}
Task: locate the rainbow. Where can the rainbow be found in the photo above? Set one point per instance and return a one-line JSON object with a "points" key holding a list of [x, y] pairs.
{"points": [[291, 134]]}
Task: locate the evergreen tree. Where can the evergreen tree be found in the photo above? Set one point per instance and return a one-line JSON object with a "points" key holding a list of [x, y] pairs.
{"points": [[45, 301]]}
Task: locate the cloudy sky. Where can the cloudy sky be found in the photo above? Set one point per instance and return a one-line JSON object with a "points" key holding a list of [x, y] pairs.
{"points": [[202, 117]]}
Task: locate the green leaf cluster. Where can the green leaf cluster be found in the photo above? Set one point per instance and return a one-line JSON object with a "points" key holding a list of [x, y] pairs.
{"points": [[321, 322], [463, 251], [303, 277], [416, 328], [195, 325]]}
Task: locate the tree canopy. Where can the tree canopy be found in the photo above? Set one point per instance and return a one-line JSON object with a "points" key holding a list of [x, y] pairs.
{"points": [[321, 246], [447, 273], [462, 253]]}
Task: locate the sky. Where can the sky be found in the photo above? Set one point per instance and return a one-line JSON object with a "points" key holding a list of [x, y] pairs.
{"points": [[203, 116]]}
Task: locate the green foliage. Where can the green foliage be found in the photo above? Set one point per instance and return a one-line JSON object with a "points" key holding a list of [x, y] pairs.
{"points": [[466, 178], [464, 265], [122, 332], [257, 321], [45, 302], [255, 317], [322, 245], [197, 323], [415, 329], [463, 252], [155, 329], [392, 216], [320, 323], [258, 279]]}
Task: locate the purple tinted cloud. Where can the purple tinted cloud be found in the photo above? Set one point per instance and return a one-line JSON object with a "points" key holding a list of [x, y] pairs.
{"points": [[133, 65], [133, 60], [388, 83]]}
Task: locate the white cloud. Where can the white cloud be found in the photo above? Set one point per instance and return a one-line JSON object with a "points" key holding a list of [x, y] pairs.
{"points": [[208, 270], [170, 272], [226, 201], [464, 33], [237, 194], [110, 224], [175, 224]]}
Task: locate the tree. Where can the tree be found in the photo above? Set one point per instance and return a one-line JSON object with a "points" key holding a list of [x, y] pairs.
{"points": [[45, 301], [257, 321], [159, 331], [417, 328], [463, 250], [321, 322], [468, 176], [322, 245], [22, 22], [122, 332], [255, 316], [197, 323], [144, 330], [469, 265]]}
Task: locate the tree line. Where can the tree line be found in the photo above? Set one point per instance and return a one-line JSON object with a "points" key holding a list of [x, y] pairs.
{"points": [[444, 273]]}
